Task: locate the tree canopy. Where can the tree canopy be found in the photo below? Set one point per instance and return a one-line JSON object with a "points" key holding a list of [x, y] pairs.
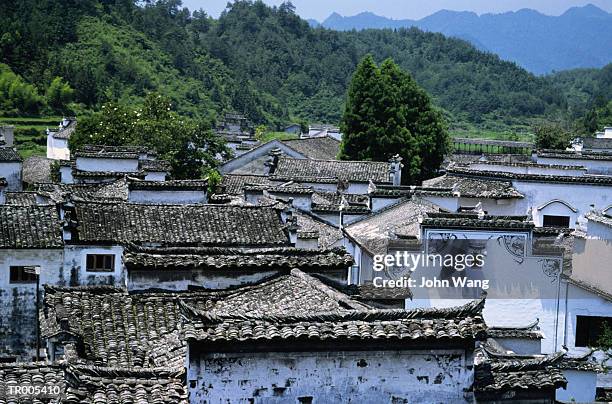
{"points": [[387, 113], [188, 144]]}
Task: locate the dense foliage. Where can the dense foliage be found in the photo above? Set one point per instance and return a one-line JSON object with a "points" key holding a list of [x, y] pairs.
{"points": [[387, 113], [262, 61], [552, 136], [189, 145]]}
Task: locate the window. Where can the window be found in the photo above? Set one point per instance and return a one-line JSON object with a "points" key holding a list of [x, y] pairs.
{"points": [[22, 275], [556, 221], [101, 262], [589, 328]]}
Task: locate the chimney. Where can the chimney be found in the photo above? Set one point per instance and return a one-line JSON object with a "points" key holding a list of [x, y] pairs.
{"points": [[272, 161], [291, 224], [395, 171], [7, 137]]}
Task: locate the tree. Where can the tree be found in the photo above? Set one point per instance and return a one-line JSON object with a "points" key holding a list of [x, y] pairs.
{"points": [[387, 113], [552, 136], [59, 94], [188, 144]]}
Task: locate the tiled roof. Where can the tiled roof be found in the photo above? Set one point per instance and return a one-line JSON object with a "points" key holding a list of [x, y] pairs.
{"points": [[591, 143], [36, 169], [234, 183], [530, 331], [66, 131], [112, 327], [466, 159], [396, 221], [105, 154], [462, 323], [21, 198], [289, 188], [599, 218], [473, 188], [116, 149], [205, 225], [30, 227], [529, 164], [211, 258], [88, 384], [155, 165], [31, 374], [8, 154], [95, 175], [356, 171], [109, 191], [584, 155], [582, 179], [502, 372], [310, 226], [172, 185], [318, 148], [472, 221], [330, 202]]}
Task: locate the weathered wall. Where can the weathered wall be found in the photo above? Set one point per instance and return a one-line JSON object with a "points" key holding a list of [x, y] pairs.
{"points": [[552, 170], [327, 377], [181, 280], [18, 301], [75, 260], [12, 172]]}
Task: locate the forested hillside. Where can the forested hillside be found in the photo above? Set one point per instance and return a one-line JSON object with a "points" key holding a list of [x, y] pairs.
{"points": [[262, 61]]}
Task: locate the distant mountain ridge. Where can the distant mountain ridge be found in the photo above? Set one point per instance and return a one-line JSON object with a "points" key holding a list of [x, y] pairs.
{"points": [[580, 37]]}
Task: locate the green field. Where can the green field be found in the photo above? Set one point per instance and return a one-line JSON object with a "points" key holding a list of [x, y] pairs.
{"points": [[30, 136]]}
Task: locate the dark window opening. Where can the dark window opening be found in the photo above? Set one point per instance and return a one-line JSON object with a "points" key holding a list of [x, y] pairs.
{"points": [[21, 274], [556, 221], [589, 328], [101, 262]]}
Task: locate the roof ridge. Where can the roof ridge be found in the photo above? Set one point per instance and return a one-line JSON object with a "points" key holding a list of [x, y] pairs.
{"points": [[473, 308]]}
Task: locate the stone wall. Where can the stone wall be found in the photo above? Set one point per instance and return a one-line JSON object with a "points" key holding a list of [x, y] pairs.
{"points": [[326, 377]]}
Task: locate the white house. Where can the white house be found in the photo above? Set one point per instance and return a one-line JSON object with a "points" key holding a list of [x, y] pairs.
{"points": [[7, 136], [57, 141]]}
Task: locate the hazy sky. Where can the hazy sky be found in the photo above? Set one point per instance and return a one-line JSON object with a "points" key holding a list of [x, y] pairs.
{"points": [[398, 9]]}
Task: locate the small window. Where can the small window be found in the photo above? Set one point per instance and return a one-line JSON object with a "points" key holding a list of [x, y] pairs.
{"points": [[589, 328], [100, 262], [556, 221], [22, 275]]}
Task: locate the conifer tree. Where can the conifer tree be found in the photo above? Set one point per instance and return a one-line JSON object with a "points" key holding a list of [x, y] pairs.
{"points": [[387, 113]]}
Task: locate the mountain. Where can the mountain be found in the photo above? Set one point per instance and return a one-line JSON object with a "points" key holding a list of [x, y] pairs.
{"points": [[265, 62], [580, 37]]}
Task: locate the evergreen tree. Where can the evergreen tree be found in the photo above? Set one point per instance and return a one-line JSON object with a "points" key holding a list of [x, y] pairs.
{"points": [[387, 113]]}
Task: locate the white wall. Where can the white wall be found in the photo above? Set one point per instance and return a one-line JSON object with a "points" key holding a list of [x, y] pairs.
{"points": [[18, 301], [592, 166], [156, 176], [106, 165], [66, 175], [12, 171], [328, 377], [75, 261], [523, 346], [57, 149], [181, 280], [526, 169], [580, 387], [579, 196], [170, 197], [554, 208]]}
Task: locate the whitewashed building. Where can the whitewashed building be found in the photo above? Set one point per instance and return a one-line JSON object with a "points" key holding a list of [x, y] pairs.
{"points": [[11, 168], [57, 140]]}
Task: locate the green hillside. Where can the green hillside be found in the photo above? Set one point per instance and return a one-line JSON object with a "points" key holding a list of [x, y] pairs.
{"points": [[261, 61]]}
